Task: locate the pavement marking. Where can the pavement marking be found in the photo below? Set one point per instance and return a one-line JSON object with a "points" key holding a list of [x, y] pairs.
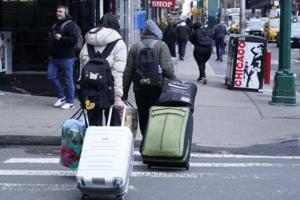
{"points": [[220, 155], [37, 187], [33, 160], [43, 187], [137, 153], [139, 163], [137, 174]]}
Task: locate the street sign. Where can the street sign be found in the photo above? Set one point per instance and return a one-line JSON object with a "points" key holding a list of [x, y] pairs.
{"points": [[169, 4]]}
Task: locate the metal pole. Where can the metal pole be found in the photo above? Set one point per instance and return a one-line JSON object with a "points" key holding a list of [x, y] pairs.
{"points": [[284, 91], [225, 10], [242, 16]]}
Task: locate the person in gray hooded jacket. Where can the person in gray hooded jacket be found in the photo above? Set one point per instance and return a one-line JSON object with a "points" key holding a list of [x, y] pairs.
{"points": [[145, 98]]}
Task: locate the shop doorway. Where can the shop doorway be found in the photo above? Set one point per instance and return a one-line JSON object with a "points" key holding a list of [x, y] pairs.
{"points": [[30, 22]]}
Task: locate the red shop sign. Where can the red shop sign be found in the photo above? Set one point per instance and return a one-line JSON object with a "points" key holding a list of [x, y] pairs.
{"points": [[170, 4]]}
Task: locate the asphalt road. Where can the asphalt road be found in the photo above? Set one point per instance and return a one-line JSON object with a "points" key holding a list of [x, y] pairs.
{"points": [[295, 62], [32, 172]]}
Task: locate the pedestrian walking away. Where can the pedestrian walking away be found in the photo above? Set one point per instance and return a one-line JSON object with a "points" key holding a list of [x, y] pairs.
{"points": [[169, 37], [95, 96], [202, 49], [62, 56], [219, 33], [182, 38], [147, 87]]}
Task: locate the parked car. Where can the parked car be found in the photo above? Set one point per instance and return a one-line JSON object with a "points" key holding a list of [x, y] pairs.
{"points": [[295, 36], [254, 27], [271, 29]]}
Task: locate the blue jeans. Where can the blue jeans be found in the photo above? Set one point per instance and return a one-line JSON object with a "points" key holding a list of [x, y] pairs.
{"points": [[220, 47], [64, 65]]}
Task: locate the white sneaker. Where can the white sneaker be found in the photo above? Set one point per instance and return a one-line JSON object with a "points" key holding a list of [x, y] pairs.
{"points": [[67, 106], [60, 102]]}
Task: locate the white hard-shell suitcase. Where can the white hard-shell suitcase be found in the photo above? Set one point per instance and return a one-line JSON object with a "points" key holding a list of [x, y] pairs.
{"points": [[106, 161]]}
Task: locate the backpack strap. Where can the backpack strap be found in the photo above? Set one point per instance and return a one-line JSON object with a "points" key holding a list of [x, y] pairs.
{"points": [[91, 51], [109, 47], [141, 44], [105, 53], [64, 24], [151, 45]]}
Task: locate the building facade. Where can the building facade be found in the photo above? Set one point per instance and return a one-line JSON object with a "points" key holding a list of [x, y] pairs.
{"points": [[25, 26]]}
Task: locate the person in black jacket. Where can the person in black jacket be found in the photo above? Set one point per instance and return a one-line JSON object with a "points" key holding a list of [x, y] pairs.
{"points": [[169, 37], [62, 57], [202, 51], [183, 33]]}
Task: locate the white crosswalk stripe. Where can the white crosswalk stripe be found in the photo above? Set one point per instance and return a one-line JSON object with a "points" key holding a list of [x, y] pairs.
{"points": [[218, 162], [137, 153], [202, 161]]}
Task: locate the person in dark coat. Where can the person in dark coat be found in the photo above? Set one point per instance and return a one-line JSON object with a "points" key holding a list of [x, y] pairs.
{"points": [[147, 96], [202, 49], [219, 33], [183, 33], [62, 57], [169, 37]]}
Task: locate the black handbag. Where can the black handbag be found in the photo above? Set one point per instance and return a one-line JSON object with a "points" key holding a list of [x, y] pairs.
{"points": [[177, 93]]}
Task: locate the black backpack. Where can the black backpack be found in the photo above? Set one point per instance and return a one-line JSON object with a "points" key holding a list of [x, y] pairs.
{"points": [[79, 38], [203, 39], [147, 69], [97, 82]]}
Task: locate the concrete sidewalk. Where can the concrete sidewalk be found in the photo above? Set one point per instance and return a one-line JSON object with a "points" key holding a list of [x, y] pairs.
{"points": [[222, 117]]}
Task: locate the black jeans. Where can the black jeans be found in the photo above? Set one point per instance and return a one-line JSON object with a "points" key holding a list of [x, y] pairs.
{"points": [[181, 48], [145, 98], [95, 117], [201, 56]]}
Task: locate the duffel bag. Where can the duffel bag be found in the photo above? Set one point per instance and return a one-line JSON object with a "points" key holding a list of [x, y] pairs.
{"points": [[73, 131], [177, 93]]}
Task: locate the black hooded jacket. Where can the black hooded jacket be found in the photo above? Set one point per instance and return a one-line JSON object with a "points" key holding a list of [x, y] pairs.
{"points": [[65, 47]]}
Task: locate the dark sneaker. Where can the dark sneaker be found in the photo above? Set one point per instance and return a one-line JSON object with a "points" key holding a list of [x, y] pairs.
{"points": [[199, 79], [204, 80]]}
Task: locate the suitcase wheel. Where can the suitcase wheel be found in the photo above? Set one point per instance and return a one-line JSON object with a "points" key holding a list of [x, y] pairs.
{"points": [[121, 197], [85, 197], [187, 166]]}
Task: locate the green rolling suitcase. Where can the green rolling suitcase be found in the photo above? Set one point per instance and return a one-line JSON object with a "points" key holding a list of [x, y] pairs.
{"points": [[168, 137]]}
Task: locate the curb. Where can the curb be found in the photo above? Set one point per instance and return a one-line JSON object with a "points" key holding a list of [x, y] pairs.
{"points": [[37, 140]]}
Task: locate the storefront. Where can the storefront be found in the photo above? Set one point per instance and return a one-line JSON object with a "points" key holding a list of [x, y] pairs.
{"points": [[27, 23]]}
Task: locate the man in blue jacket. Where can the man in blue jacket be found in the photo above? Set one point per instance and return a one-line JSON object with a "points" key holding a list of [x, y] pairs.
{"points": [[62, 57]]}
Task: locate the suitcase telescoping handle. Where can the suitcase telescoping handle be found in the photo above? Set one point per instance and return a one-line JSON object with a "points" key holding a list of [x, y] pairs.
{"points": [[110, 114]]}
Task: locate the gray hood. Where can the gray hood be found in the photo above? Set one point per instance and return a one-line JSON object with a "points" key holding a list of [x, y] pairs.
{"points": [[152, 29]]}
